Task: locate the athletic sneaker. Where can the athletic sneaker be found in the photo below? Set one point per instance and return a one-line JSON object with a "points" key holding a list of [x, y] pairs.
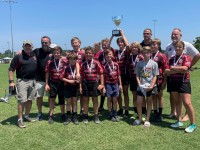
{"points": [[63, 117], [96, 119], [50, 121], [75, 121], [126, 114], [177, 124], [120, 112], [67, 121], [21, 124], [191, 128], [39, 117], [100, 109], [28, 119], [85, 118], [117, 118], [113, 119], [136, 122]]}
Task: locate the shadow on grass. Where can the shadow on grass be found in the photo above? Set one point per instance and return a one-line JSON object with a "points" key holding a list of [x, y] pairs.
{"points": [[166, 123]]}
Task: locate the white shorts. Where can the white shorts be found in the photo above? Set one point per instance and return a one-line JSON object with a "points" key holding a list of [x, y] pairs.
{"points": [[40, 88]]}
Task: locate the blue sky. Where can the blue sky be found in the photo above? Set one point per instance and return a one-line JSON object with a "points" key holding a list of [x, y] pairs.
{"points": [[91, 20]]}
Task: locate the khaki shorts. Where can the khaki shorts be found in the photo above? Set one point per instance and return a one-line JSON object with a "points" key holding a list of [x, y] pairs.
{"points": [[25, 90], [40, 88]]}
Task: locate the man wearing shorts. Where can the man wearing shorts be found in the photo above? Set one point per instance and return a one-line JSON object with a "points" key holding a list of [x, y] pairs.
{"points": [[43, 54], [25, 65]]}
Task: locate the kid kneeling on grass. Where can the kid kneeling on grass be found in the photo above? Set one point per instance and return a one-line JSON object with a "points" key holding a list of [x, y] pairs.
{"points": [[91, 71], [146, 72], [71, 87], [113, 84]]}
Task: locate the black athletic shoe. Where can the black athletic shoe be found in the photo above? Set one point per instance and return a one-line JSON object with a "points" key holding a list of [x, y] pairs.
{"points": [[100, 109], [63, 117], [67, 121], [126, 114], [120, 112]]}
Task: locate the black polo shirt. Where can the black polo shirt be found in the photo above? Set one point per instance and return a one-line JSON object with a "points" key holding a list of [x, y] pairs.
{"points": [[42, 58], [143, 44], [25, 65]]}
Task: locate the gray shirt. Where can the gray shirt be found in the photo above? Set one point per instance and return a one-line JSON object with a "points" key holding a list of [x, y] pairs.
{"points": [[146, 71]]}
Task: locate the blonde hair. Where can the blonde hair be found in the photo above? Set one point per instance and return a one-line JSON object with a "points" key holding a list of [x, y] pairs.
{"points": [[157, 41], [146, 49], [136, 44]]}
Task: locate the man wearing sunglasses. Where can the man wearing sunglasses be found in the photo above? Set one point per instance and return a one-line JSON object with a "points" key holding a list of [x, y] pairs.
{"points": [[43, 54], [25, 65]]}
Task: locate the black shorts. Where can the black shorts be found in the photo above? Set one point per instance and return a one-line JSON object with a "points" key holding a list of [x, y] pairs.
{"points": [[125, 79], [90, 89], [181, 87], [152, 92], [168, 84], [133, 84], [71, 91], [57, 88]]}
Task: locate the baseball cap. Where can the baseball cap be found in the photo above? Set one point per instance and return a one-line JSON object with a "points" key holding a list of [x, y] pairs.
{"points": [[27, 42], [53, 45]]}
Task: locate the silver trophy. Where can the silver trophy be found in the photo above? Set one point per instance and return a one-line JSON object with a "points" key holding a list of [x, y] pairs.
{"points": [[117, 21]]}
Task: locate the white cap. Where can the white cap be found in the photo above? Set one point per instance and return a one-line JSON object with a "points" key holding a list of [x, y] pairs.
{"points": [[53, 45]]}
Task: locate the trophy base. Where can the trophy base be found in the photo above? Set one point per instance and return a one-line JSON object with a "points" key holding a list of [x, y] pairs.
{"points": [[116, 33]]}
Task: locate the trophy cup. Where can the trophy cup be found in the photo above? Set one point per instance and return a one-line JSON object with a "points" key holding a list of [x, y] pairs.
{"points": [[117, 20]]}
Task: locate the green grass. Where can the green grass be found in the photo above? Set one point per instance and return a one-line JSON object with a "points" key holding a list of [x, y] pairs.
{"points": [[107, 135]]}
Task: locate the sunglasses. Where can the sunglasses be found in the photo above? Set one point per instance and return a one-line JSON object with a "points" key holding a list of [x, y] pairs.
{"points": [[44, 42]]}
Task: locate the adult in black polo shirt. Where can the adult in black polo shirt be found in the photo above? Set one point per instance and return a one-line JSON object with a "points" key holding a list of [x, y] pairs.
{"points": [[147, 33], [25, 65], [43, 54]]}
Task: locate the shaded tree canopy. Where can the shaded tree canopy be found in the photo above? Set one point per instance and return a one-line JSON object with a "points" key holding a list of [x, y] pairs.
{"points": [[197, 43]]}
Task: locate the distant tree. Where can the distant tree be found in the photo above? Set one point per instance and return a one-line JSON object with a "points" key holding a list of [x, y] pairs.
{"points": [[197, 43], [8, 53]]}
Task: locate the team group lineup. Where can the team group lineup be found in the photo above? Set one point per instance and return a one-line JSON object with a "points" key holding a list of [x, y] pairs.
{"points": [[100, 70]]}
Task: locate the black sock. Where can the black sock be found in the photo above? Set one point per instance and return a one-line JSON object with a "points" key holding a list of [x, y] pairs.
{"points": [[68, 113], [144, 110], [102, 101], [135, 109], [114, 113], [160, 111], [155, 112]]}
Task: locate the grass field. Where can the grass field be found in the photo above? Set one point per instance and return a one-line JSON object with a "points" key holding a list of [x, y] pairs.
{"points": [[107, 135]]}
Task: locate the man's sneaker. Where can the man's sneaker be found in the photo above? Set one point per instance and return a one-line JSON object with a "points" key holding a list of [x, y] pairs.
{"points": [[126, 114], [75, 121], [28, 119], [136, 122], [100, 109], [63, 117], [177, 124], [50, 121], [67, 121], [96, 119], [191, 128], [85, 118], [21, 124], [120, 112], [39, 117]]}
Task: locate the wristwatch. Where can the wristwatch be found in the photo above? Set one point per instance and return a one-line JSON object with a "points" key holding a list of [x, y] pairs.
{"points": [[11, 81]]}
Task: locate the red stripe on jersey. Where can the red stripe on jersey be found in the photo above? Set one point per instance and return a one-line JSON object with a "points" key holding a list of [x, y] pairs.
{"points": [[111, 72], [93, 74]]}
